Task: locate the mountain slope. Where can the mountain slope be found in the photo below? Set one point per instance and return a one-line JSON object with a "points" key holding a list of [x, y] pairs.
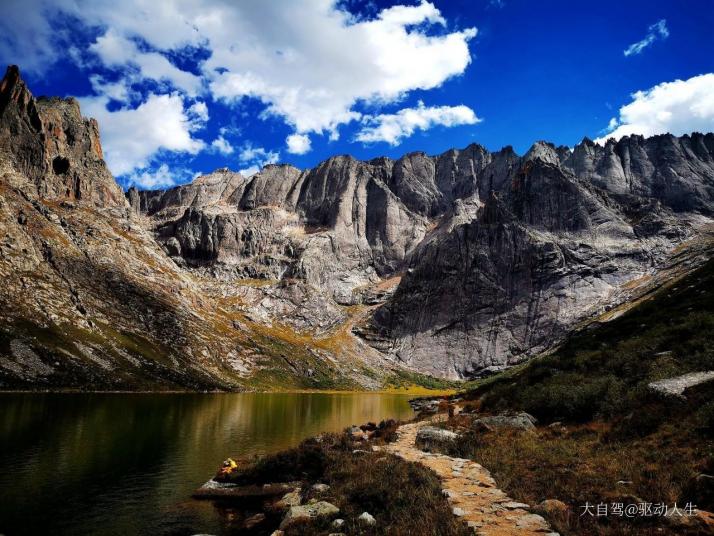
{"points": [[492, 257], [350, 274], [89, 300], [611, 425]]}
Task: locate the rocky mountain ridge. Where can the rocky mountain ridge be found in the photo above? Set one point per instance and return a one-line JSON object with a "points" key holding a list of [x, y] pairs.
{"points": [[496, 256], [338, 276]]}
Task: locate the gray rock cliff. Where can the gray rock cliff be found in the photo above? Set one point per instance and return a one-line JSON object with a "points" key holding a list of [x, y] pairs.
{"points": [[454, 265], [498, 256]]}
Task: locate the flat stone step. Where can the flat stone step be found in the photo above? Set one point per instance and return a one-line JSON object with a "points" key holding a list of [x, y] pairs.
{"points": [[223, 490]]}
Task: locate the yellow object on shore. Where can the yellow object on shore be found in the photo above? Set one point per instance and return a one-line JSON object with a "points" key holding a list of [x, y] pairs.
{"points": [[228, 466]]}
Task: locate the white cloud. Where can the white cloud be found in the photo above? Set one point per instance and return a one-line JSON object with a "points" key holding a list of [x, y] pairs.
{"points": [[198, 111], [249, 171], [314, 63], [115, 50], [657, 31], [221, 145], [677, 107], [161, 177], [299, 143], [311, 66], [132, 136], [256, 158], [392, 128], [249, 153]]}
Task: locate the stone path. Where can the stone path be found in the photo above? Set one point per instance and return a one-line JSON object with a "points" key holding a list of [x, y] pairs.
{"points": [[471, 491]]}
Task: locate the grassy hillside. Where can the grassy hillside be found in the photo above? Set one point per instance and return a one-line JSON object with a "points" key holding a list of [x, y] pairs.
{"points": [[603, 434]]}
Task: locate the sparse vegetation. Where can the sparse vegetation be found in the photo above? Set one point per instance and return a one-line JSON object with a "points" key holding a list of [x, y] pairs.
{"points": [[405, 498], [403, 379], [620, 441]]}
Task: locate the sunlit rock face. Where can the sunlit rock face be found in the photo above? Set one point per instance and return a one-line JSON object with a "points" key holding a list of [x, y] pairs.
{"points": [[53, 146], [454, 265], [499, 255]]}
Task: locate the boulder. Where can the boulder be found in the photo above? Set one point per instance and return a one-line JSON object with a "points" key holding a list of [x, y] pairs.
{"points": [[290, 499], [318, 510], [430, 439], [522, 421]]}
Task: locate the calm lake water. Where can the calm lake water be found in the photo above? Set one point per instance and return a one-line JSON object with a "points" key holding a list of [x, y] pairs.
{"points": [[127, 463]]}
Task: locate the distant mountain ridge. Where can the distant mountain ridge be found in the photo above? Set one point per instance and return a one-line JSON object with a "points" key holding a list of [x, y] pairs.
{"points": [[343, 275], [499, 254]]}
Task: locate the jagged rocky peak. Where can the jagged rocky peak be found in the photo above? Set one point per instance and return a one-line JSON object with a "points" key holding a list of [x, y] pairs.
{"points": [[49, 142], [676, 171], [543, 151]]}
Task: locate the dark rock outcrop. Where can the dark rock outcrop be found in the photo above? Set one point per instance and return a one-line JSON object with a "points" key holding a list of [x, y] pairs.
{"points": [[53, 146]]}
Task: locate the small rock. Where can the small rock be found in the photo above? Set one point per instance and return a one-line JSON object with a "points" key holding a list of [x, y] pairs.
{"points": [[458, 512], [254, 521], [357, 433], [531, 521], [290, 499], [481, 427], [424, 405], [338, 524], [367, 519], [320, 488]]}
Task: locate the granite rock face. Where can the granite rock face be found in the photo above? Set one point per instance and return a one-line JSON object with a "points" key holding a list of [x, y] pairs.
{"points": [[53, 147], [542, 253], [456, 265], [91, 300], [498, 256]]}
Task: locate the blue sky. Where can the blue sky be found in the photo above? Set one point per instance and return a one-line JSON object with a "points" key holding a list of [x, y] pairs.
{"points": [[181, 88]]}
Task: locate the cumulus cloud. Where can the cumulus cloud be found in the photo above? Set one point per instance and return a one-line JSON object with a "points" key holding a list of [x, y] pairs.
{"points": [[254, 158], [132, 136], [677, 107], [313, 84], [313, 66], [198, 112], [115, 50], [222, 145], [298, 143], [393, 128], [657, 31], [161, 177]]}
